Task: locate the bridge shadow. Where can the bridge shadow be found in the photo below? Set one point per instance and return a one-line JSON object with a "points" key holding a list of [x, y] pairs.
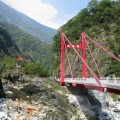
{"points": [[86, 100]]}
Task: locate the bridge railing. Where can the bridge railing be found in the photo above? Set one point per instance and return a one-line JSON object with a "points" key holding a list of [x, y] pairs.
{"points": [[113, 81], [104, 81]]}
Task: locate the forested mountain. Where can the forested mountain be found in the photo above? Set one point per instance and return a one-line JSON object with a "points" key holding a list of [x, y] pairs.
{"points": [[7, 46], [25, 23], [28, 45], [101, 21], [8, 50]]}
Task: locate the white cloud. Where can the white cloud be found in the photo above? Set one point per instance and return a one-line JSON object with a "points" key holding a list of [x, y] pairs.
{"points": [[36, 9]]}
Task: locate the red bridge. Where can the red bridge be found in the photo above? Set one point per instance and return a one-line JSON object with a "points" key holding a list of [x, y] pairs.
{"points": [[94, 83]]}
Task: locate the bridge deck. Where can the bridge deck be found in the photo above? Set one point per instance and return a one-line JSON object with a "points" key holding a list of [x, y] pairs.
{"points": [[109, 83]]}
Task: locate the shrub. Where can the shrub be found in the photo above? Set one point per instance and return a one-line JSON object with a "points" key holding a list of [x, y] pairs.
{"points": [[36, 69], [7, 64]]}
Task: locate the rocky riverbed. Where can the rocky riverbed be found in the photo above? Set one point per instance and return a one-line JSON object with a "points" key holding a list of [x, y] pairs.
{"points": [[43, 99], [38, 100], [11, 110], [111, 111]]}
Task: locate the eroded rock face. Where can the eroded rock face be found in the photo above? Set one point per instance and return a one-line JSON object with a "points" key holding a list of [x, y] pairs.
{"points": [[2, 93], [112, 110], [89, 104]]}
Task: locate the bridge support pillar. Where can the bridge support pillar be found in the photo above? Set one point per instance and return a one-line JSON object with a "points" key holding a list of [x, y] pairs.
{"points": [[84, 67], [62, 60]]}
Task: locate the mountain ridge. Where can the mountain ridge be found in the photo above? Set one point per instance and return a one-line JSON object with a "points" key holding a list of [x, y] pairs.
{"points": [[26, 23]]}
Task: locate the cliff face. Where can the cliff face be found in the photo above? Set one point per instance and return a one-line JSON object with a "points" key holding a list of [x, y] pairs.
{"points": [[87, 102]]}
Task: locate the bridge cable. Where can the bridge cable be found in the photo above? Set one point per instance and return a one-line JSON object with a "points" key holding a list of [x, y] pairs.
{"points": [[74, 60], [79, 56], [109, 53], [93, 57]]}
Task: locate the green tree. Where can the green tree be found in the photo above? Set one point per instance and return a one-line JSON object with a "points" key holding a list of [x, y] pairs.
{"points": [[36, 69]]}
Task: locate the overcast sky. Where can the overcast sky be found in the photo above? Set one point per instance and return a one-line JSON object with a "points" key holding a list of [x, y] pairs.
{"points": [[52, 13]]}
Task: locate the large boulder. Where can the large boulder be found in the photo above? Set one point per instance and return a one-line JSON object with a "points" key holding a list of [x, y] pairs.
{"points": [[14, 75]]}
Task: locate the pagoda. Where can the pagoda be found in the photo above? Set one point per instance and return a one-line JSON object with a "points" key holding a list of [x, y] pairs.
{"points": [[19, 61]]}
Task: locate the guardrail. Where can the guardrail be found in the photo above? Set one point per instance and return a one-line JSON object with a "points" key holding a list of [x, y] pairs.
{"points": [[105, 81]]}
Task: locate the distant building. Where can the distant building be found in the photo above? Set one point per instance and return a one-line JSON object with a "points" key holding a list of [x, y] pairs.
{"points": [[20, 61]]}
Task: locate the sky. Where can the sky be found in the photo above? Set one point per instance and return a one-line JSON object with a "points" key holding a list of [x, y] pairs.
{"points": [[52, 13]]}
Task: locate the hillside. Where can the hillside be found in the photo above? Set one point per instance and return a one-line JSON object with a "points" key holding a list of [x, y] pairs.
{"points": [[7, 46], [101, 21], [25, 23], [8, 50], [29, 46]]}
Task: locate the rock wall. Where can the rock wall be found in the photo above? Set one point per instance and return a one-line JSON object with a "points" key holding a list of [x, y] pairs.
{"points": [[87, 101], [101, 96]]}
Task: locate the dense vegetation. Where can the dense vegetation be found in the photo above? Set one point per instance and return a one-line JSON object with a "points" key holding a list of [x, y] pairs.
{"points": [[101, 21], [15, 42], [25, 23], [7, 47], [8, 51], [27, 36], [29, 46], [7, 63], [36, 69]]}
